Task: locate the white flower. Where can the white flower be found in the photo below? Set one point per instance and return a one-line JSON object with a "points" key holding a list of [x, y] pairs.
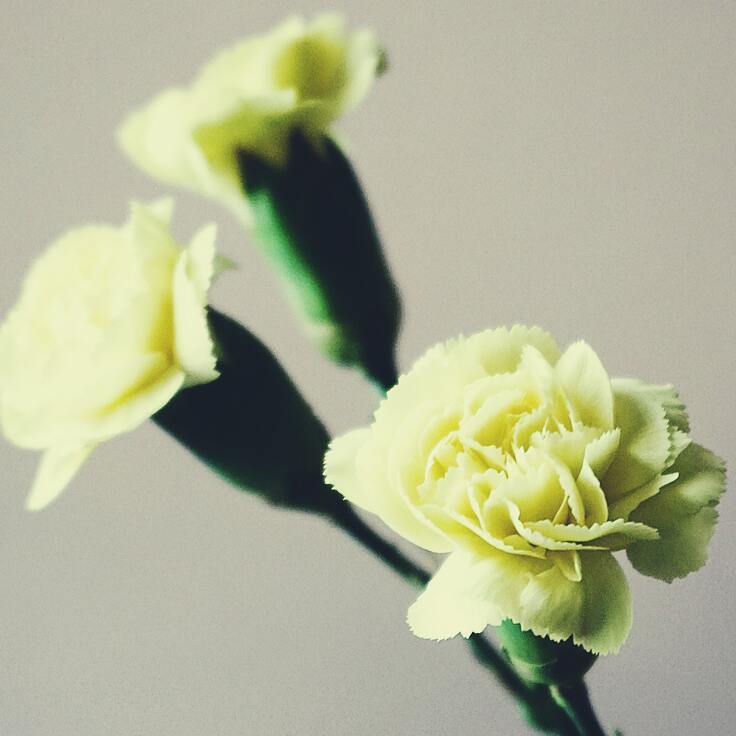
{"points": [[110, 324], [252, 96], [531, 468]]}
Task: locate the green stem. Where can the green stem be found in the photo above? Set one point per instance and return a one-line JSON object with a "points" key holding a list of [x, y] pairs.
{"points": [[573, 698], [538, 706], [346, 518]]}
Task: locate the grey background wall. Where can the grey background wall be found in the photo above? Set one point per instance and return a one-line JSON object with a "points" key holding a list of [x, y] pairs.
{"points": [[564, 163]]}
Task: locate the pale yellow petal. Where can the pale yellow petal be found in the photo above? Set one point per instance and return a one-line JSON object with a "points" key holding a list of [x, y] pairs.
{"points": [[595, 612], [599, 453], [500, 350], [131, 410], [356, 466], [469, 535], [587, 385], [591, 493], [194, 348], [584, 534], [679, 551], [341, 470], [645, 439], [536, 538], [56, 469], [568, 562], [157, 138], [163, 209], [622, 507], [683, 512], [467, 594]]}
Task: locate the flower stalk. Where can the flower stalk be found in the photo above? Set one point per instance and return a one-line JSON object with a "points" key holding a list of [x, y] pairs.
{"points": [[270, 443], [539, 708], [573, 698]]}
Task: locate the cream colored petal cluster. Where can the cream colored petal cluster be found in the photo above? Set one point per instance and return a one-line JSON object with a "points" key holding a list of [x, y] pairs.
{"points": [[531, 468], [251, 96], [110, 324]]}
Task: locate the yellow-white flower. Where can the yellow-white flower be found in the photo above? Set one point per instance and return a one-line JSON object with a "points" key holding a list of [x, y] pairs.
{"points": [[531, 468], [252, 96], [110, 324]]}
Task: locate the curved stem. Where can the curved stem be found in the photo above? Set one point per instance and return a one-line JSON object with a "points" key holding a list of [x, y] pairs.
{"points": [[575, 701], [536, 702], [346, 518]]}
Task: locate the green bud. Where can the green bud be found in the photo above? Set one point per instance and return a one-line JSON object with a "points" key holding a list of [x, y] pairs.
{"points": [[540, 660], [251, 424], [313, 223]]}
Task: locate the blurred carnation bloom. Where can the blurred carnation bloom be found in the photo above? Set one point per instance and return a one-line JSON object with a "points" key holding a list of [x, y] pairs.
{"points": [[251, 97], [110, 324], [531, 468]]}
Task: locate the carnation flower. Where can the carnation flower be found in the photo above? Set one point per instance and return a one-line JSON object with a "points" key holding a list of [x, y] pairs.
{"points": [[110, 324], [252, 97], [532, 468]]}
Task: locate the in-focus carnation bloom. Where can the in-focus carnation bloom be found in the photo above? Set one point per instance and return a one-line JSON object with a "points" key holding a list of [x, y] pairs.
{"points": [[531, 468], [110, 324], [252, 96]]}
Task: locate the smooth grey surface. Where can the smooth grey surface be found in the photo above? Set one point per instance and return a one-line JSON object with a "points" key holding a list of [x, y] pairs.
{"points": [[570, 164]]}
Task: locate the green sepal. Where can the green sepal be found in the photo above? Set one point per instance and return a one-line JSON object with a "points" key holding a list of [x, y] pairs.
{"points": [[540, 660], [251, 424], [313, 223]]}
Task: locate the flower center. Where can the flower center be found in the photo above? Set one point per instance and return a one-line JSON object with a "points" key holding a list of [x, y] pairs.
{"points": [[314, 67]]}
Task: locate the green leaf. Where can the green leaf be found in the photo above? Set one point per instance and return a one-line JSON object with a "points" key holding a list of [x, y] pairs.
{"points": [[252, 425], [313, 223]]}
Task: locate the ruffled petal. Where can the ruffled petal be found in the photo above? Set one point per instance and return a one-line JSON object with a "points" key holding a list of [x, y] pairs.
{"points": [[340, 468], [568, 563], [464, 533], [141, 403], [622, 507], [194, 348], [645, 438], [355, 465], [500, 350], [586, 385], [600, 452], [157, 138], [445, 370], [596, 611], [467, 594], [684, 514], [569, 447], [536, 538], [591, 493], [583, 534]]}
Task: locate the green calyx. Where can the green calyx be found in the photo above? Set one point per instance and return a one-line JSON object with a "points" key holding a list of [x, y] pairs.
{"points": [[313, 224], [251, 424], [540, 660]]}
